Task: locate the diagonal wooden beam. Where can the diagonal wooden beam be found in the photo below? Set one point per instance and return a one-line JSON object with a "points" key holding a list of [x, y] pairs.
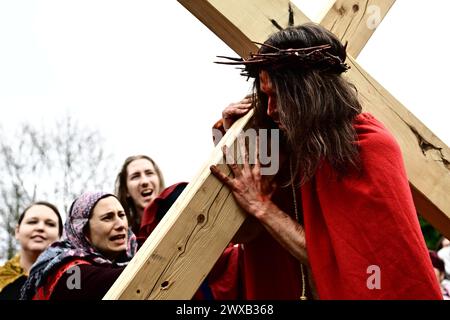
{"points": [[427, 158], [187, 242], [183, 248], [355, 21]]}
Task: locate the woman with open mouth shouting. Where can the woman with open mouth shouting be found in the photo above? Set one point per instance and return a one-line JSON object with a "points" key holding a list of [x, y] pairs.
{"points": [[138, 183]]}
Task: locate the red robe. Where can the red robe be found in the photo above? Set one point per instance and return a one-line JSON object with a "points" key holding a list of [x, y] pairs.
{"points": [[359, 229], [355, 226]]}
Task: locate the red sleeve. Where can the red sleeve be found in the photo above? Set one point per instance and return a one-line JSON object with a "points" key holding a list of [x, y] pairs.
{"points": [[45, 291], [93, 282], [225, 278], [363, 236], [156, 210]]}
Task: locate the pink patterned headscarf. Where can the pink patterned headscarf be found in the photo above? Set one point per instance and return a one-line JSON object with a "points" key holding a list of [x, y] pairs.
{"points": [[74, 244]]}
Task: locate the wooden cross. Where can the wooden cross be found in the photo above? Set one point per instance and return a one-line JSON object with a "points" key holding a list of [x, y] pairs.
{"points": [[181, 251]]}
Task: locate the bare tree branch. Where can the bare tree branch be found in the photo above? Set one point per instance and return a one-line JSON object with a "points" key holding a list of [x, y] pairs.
{"points": [[54, 164]]}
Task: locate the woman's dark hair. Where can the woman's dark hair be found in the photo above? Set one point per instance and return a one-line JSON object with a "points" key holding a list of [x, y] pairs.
{"points": [[316, 105], [121, 187], [47, 204]]}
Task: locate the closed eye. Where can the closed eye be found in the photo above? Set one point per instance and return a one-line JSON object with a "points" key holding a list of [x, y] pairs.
{"points": [[50, 224], [108, 216]]}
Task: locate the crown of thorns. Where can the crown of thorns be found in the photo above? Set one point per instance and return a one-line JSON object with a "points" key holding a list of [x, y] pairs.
{"points": [[305, 58]]}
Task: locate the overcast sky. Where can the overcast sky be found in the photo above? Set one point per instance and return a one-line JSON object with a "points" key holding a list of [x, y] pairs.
{"points": [[142, 72]]}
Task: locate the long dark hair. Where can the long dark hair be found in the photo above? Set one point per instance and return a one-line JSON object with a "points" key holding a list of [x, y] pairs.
{"points": [[121, 189], [316, 105], [47, 204]]}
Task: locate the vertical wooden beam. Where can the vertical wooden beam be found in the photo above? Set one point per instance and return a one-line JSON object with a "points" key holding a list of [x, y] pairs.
{"points": [[239, 22], [355, 21]]}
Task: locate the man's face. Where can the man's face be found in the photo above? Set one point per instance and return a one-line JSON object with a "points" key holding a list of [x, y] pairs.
{"points": [[267, 88]]}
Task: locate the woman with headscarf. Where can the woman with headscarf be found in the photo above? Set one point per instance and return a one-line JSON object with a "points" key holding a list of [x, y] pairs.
{"points": [[96, 246]]}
